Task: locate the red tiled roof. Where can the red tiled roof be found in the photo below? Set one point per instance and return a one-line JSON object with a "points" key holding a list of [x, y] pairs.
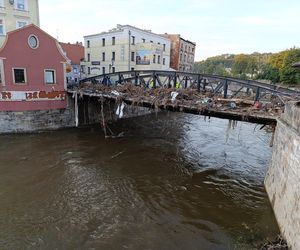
{"points": [[75, 52]]}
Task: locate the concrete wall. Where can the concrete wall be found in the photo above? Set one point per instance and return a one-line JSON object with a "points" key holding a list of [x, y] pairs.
{"points": [[283, 177]]}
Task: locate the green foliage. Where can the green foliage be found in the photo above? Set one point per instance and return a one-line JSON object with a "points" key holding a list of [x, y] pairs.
{"points": [[275, 67], [288, 74]]}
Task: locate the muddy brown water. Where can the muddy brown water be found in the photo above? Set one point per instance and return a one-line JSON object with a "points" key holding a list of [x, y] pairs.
{"points": [[174, 181]]}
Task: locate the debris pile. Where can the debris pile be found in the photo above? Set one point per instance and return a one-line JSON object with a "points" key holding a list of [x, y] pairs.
{"points": [[278, 244], [182, 99]]}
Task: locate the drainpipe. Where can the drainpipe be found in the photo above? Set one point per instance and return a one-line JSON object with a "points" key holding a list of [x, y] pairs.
{"points": [[129, 34]]}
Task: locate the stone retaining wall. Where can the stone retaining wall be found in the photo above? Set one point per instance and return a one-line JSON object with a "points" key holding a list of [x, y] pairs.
{"points": [[37, 120], [283, 177], [89, 112]]}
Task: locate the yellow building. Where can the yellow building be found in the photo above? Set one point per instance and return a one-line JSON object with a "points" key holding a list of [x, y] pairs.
{"points": [[15, 14]]}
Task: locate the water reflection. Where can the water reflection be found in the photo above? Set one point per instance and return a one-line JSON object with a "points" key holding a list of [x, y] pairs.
{"points": [[175, 181]]}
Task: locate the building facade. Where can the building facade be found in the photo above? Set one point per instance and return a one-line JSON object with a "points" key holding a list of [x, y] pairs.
{"points": [[16, 14], [75, 53], [125, 48], [182, 53], [32, 71]]}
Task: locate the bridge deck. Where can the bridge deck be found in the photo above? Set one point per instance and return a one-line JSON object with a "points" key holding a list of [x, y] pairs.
{"points": [[187, 100]]}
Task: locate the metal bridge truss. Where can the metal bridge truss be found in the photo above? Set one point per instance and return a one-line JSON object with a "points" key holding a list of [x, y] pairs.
{"points": [[228, 87]]}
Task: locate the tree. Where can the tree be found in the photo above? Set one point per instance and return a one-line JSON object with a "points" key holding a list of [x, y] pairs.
{"points": [[288, 74], [240, 66]]}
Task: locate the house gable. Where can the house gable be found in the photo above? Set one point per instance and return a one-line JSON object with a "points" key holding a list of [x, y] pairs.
{"points": [[32, 66], [17, 53]]}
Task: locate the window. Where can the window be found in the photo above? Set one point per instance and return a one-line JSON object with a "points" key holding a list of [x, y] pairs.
{"points": [[193, 49], [180, 57], [103, 56], [2, 29], [133, 40], [113, 69], [103, 42], [21, 4], [103, 70], [184, 58], [151, 41], [33, 41], [113, 56], [143, 40], [164, 47], [50, 76], [113, 41], [132, 57], [158, 43], [19, 76], [89, 70], [132, 69], [21, 24], [158, 59], [164, 61], [88, 43], [88, 57], [154, 58]]}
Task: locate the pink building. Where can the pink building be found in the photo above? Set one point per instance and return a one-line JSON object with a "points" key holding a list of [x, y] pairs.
{"points": [[32, 71]]}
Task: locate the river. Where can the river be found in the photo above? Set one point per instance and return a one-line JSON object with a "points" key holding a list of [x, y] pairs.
{"points": [[173, 181]]}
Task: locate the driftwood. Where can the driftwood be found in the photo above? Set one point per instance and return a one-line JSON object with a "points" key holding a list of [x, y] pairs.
{"points": [[237, 101], [278, 244]]}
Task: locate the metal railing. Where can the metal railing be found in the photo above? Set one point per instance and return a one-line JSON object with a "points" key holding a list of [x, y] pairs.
{"points": [[229, 87]]}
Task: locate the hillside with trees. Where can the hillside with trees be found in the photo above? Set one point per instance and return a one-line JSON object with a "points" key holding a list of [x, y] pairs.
{"points": [[276, 67]]}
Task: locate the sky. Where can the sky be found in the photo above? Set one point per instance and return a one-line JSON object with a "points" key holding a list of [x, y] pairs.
{"points": [[216, 26]]}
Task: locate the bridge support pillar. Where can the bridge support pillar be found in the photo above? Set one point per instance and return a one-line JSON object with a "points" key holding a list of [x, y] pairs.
{"points": [[283, 177], [199, 79]]}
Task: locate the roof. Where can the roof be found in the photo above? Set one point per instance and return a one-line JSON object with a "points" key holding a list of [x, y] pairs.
{"points": [[178, 35], [75, 52], [120, 28], [33, 27], [296, 65]]}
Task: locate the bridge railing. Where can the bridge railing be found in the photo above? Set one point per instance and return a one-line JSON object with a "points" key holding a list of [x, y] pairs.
{"points": [[229, 87]]}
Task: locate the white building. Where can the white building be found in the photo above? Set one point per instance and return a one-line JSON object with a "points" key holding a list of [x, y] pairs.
{"points": [[125, 48]]}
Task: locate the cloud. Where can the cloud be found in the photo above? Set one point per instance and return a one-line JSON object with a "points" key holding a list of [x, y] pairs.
{"points": [[217, 26]]}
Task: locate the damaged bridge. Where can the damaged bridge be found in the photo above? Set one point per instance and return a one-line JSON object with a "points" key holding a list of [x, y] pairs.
{"points": [[209, 95]]}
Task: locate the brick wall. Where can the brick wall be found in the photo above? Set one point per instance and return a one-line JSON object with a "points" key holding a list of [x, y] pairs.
{"points": [[283, 177]]}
